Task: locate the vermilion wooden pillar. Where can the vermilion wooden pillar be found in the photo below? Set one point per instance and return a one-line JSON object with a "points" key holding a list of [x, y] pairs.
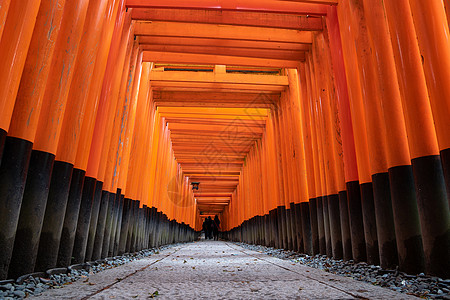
{"points": [[87, 130], [22, 130], [16, 38], [428, 18], [395, 158]]}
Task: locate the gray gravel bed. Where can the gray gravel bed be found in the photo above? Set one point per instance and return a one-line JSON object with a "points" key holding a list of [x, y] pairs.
{"points": [[421, 285], [10, 289]]}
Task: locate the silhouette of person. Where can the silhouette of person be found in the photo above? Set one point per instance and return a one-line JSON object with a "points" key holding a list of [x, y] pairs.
{"points": [[207, 226], [216, 227]]}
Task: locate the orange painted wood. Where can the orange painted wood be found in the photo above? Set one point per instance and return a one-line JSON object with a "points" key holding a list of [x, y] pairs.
{"points": [[95, 154], [77, 98], [115, 109], [416, 106], [342, 96], [87, 130], [206, 77], [309, 7], [295, 95], [333, 115], [246, 33], [131, 119], [355, 95], [386, 76], [215, 42], [189, 58], [306, 132], [317, 155], [286, 21], [434, 43], [116, 163], [60, 77], [37, 66], [15, 40], [215, 50], [4, 6], [376, 129]]}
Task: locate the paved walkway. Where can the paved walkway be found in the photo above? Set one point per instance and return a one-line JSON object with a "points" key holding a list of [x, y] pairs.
{"points": [[217, 270]]}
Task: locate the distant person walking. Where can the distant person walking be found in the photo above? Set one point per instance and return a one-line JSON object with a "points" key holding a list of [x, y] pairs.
{"points": [[207, 227], [216, 227]]}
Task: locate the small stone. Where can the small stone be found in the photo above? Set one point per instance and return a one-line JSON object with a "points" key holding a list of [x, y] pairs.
{"points": [[19, 294], [45, 280], [7, 286]]}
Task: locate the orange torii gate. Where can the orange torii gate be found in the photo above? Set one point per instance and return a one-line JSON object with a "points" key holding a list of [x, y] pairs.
{"points": [[319, 126]]}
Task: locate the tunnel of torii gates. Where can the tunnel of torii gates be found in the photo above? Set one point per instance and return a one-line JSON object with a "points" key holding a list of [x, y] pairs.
{"points": [[321, 126]]}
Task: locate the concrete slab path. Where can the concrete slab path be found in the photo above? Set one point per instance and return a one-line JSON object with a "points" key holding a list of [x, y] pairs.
{"points": [[217, 270]]}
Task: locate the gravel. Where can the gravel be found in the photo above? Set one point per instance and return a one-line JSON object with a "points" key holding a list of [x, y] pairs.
{"points": [[421, 285], [36, 285]]}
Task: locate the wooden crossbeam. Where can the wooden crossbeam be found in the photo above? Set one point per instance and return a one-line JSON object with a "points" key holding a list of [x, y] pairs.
{"points": [[246, 33], [305, 7], [208, 77], [247, 18], [215, 42], [239, 52], [218, 97], [190, 58]]}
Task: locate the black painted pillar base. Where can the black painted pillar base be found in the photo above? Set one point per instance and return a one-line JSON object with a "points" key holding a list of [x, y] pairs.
{"points": [[94, 219], [335, 226], [370, 223], [356, 221], [54, 216], [131, 226], [306, 228], [445, 162], [108, 225], [13, 174], [434, 214], [71, 219], [387, 243], [406, 220], [326, 226], [289, 236], [2, 142], [135, 227], [321, 227], [274, 229], [300, 247], [84, 219], [119, 225], [345, 225], [116, 210], [31, 214], [267, 229], [124, 226], [314, 225], [281, 218], [101, 224]]}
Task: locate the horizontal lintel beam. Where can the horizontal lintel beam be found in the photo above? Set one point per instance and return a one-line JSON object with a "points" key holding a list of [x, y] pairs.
{"points": [[246, 33], [305, 7], [247, 18], [189, 58]]}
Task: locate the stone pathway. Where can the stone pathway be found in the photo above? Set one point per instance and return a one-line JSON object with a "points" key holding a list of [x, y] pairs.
{"points": [[217, 270]]}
